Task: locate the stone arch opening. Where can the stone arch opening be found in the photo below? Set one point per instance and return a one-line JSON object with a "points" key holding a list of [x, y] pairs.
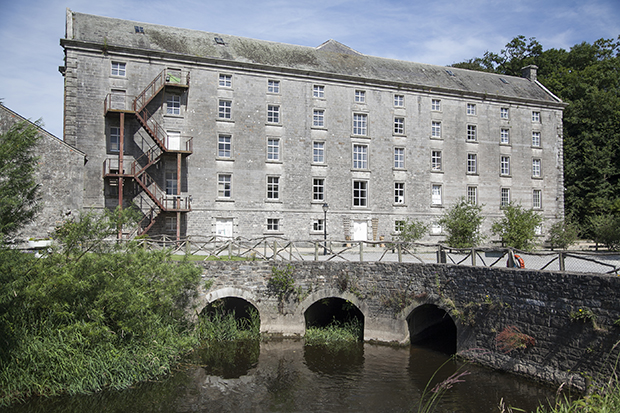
{"points": [[240, 308], [432, 327], [328, 310]]}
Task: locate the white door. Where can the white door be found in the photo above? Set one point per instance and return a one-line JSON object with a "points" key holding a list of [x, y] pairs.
{"points": [[224, 227], [174, 140], [360, 230]]}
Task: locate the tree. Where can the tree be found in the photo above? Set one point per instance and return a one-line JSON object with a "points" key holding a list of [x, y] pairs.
{"points": [[18, 186], [562, 234], [605, 229], [518, 227], [411, 230], [461, 222]]}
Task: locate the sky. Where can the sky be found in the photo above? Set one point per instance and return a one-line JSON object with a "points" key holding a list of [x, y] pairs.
{"points": [[439, 32]]}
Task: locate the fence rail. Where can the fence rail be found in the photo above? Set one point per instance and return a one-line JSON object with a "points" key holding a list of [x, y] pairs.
{"points": [[278, 248]]}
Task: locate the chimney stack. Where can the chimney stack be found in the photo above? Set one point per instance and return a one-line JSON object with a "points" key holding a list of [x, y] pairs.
{"points": [[529, 72]]}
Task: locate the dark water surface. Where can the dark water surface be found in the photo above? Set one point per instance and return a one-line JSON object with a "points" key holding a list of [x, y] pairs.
{"points": [[286, 376]]}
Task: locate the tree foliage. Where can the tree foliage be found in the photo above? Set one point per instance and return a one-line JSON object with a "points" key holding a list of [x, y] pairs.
{"points": [[411, 230], [461, 223], [18, 186], [605, 230], [562, 234], [517, 227]]}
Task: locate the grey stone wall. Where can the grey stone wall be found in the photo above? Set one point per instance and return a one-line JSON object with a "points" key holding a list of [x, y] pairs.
{"points": [[482, 302]]}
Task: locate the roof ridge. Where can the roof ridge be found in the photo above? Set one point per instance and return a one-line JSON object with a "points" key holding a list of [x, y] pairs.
{"points": [[335, 46]]}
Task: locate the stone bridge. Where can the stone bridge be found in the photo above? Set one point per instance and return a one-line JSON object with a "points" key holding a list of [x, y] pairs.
{"points": [[556, 326]]}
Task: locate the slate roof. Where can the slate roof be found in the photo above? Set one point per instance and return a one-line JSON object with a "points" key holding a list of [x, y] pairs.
{"points": [[329, 59]]}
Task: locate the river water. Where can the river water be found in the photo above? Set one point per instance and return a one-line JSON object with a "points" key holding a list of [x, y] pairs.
{"points": [[286, 376]]}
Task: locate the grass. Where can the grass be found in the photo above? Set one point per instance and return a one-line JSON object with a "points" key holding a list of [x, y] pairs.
{"points": [[336, 332]]}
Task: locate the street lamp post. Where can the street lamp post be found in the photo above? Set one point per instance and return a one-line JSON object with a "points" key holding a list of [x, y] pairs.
{"points": [[325, 208]]}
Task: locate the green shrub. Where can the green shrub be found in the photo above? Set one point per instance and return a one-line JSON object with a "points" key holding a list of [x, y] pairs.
{"points": [[518, 227], [461, 223]]}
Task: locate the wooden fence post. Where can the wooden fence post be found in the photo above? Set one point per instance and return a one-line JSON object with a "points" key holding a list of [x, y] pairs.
{"points": [[361, 251], [400, 252]]}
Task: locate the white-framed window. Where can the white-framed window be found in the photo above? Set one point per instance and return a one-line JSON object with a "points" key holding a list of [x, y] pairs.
{"points": [[436, 229], [536, 139], [399, 158], [171, 182], [399, 192], [360, 156], [318, 189], [273, 187], [360, 193], [318, 91], [224, 185], [504, 165], [536, 116], [318, 118], [471, 109], [273, 114], [504, 113], [118, 69], [225, 80], [471, 133], [224, 109], [399, 126], [536, 168], [115, 139], [504, 136], [436, 105], [273, 149], [472, 163], [273, 86], [171, 223], [399, 226], [436, 163], [224, 146], [273, 224], [504, 197], [318, 152], [472, 195], [436, 197], [360, 96], [399, 101], [173, 105], [537, 199], [318, 225], [360, 124], [436, 129]]}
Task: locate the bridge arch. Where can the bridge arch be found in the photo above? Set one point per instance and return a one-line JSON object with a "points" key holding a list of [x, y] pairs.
{"points": [[430, 325], [230, 292]]}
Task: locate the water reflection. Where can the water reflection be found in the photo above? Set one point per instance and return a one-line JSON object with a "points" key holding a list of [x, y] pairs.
{"points": [[286, 376]]}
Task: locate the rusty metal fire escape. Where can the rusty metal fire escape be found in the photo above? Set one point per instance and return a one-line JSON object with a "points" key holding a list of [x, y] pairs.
{"points": [[157, 199]]}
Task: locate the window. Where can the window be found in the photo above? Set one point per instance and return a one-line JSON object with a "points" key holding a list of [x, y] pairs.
{"points": [[115, 139], [472, 195], [171, 223], [436, 161], [536, 199], [273, 114], [399, 101], [504, 113], [318, 91], [360, 193], [273, 187], [399, 158], [273, 86], [505, 197], [535, 116], [273, 149], [360, 122], [436, 105], [399, 126], [225, 80], [318, 189], [318, 118], [173, 105], [318, 225], [224, 146], [536, 168], [536, 139], [318, 152], [399, 226], [360, 96], [472, 163], [471, 133], [504, 137], [471, 109], [224, 186], [436, 229], [118, 69], [273, 224], [360, 157], [171, 183], [224, 109], [436, 130], [399, 192], [504, 165], [436, 194]]}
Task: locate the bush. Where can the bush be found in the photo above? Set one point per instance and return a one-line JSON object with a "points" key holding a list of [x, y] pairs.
{"points": [[461, 223], [562, 234], [605, 230], [518, 227], [411, 230]]}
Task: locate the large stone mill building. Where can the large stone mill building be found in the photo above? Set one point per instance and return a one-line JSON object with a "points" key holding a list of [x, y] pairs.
{"points": [[209, 133]]}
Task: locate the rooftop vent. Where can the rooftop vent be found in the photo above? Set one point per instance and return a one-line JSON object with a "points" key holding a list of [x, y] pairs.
{"points": [[450, 72], [138, 29], [219, 40], [504, 81]]}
